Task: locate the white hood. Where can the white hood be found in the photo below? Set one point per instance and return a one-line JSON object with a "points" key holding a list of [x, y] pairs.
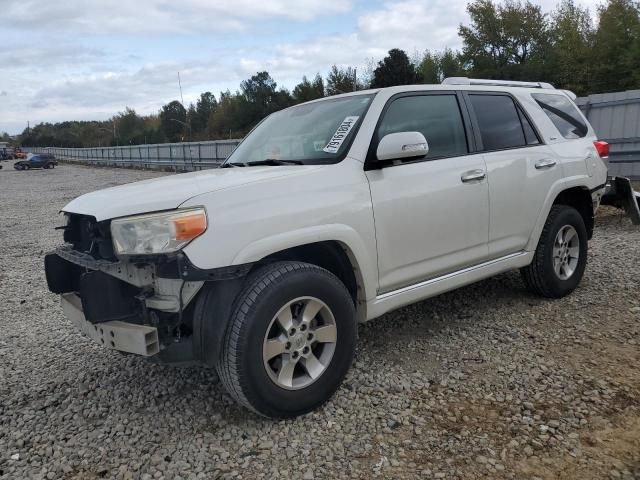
{"points": [[169, 192]]}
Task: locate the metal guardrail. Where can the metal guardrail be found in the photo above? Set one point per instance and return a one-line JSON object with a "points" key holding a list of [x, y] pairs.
{"points": [[186, 156]]}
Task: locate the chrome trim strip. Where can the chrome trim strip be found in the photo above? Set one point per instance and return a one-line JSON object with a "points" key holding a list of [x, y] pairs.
{"points": [[448, 276]]}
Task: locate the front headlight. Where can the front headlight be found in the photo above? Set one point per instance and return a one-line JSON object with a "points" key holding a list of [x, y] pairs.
{"points": [[158, 232]]}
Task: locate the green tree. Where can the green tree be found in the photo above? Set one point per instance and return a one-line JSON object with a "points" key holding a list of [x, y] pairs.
{"points": [[228, 120], [394, 69], [616, 47], [568, 60], [173, 118], [429, 68], [309, 90], [341, 80], [129, 127], [435, 67], [261, 97], [205, 106], [504, 41], [450, 64]]}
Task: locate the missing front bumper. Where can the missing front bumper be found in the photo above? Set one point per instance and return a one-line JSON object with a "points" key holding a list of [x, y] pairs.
{"points": [[125, 337]]}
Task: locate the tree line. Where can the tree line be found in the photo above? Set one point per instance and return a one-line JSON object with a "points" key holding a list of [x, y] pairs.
{"points": [[511, 40]]}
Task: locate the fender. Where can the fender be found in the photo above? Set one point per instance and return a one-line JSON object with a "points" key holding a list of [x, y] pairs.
{"points": [[345, 235], [558, 187]]}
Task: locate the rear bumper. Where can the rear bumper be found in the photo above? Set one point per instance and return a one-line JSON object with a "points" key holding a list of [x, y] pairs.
{"points": [[125, 337]]}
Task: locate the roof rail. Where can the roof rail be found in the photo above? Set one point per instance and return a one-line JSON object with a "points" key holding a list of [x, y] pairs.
{"points": [[494, 83]]}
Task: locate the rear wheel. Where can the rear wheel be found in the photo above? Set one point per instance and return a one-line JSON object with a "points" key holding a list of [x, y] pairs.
{"points": [[290, 340], [561, 255]]}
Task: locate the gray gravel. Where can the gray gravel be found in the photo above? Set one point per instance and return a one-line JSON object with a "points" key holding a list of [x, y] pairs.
{"points": [[485, 382]]}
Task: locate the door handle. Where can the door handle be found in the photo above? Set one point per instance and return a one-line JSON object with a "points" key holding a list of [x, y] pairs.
{"points": [[473, 175], [546, 163]]}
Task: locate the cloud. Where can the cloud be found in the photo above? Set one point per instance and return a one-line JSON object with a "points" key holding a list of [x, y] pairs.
{"points": [[62, 53], [149, 16], [93, 59]]}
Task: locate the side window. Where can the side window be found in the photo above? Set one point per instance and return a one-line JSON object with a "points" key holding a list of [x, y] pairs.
{"points": [[437, 117], [563, 113], [529, 133], [498, 121]]}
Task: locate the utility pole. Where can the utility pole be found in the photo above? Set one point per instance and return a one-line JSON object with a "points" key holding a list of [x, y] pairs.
{"points": [[180, 86], [188, 124]]}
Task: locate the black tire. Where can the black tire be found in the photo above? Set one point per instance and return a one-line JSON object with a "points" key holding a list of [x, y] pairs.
{"points": [[540, 276], [267, 290]]}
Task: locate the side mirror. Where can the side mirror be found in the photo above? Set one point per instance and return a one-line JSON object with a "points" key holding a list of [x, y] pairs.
{"points": [[402, 145]]}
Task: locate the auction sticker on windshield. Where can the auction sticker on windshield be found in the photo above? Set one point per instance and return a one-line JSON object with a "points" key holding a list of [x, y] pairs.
{"points": [[341, 133]]}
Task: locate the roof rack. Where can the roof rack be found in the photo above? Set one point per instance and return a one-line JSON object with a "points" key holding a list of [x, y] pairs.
{"points": [[494, 83]]}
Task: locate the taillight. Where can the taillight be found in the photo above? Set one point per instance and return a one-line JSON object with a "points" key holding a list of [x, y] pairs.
{"points": [[602, 148]]}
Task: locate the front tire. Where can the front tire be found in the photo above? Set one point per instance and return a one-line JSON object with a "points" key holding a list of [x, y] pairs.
{"points": [[561, 255], [290, 340]]}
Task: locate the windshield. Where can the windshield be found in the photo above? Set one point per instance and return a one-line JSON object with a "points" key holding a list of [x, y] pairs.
{"points": [[318, 132]]}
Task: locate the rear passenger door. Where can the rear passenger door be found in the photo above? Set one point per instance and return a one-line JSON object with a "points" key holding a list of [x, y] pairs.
{"points": [[520, 169], [431, 215]]}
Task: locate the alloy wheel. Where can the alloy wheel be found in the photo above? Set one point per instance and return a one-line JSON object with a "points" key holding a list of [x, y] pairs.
{"points": [[299, 343]]}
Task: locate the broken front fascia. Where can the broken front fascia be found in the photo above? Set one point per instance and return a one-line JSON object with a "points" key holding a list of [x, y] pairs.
{"points": [[166, 291]]}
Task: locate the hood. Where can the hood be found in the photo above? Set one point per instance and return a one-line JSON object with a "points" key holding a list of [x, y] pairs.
{"points": [[166, 193]]}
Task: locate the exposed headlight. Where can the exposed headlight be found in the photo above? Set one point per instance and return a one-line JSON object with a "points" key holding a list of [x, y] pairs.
{"points": [[157, 232]]}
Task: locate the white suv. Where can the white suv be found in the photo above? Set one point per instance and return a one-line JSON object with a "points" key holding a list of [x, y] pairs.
{"points": [[330, 213]]}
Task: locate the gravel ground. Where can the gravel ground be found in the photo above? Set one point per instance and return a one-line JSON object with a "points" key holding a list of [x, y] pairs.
{"points": [[485, 382]]}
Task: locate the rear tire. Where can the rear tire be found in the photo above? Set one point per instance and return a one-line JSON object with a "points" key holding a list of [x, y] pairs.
{"points": [[290, 340], [561, 255]]}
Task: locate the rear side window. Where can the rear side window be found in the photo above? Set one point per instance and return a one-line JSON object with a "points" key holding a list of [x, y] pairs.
{"points": [[499, 122], [563, 113], [437, 117]]}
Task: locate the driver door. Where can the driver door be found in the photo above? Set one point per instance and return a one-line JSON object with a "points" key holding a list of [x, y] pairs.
{"points": [[432, 214]]}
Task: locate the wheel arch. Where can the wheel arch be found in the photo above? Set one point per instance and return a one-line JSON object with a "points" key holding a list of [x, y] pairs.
{"points": [[334, 256], [580, 199], [577, 196]]}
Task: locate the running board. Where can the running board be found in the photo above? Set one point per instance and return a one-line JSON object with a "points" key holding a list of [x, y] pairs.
{"points": [[430, 288], [117, 335]]}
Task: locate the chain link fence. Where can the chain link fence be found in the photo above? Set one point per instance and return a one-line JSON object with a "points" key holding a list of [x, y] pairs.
{"points": [[186, 156]]}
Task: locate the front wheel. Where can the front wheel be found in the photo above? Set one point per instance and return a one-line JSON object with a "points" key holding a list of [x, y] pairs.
{"points": [[561, 255], [290, 340]]}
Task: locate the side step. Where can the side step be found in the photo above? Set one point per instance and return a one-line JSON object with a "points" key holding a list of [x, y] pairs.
{"points": [[621, 195], [117, 335]]}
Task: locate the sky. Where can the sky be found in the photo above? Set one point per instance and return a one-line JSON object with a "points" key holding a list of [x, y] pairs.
{"points": [[88, 60]]}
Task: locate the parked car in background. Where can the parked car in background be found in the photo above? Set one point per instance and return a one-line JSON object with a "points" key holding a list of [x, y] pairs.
{"points": [[43, 160], [330, 213]]}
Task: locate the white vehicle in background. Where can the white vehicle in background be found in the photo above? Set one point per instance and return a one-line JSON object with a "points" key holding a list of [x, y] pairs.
{"points": [[331, 213]]}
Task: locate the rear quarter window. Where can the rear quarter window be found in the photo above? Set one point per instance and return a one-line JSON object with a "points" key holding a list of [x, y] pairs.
{"points": [[563, 113]]}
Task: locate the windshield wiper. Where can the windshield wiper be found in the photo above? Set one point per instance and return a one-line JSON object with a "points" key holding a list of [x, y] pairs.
{"points": [[233, 164], [266, 161], [273, 161]]}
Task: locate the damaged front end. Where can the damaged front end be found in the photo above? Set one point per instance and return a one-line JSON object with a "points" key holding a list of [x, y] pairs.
{"points": [[137, 304]]}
